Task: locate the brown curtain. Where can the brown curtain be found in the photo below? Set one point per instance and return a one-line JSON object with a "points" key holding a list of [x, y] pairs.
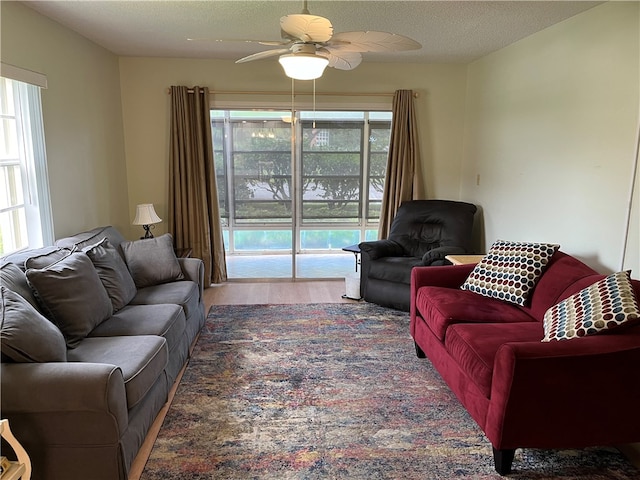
{"points": [[194, 217], [403, 179]]}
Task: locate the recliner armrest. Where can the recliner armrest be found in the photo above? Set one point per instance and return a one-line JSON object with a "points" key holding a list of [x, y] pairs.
{"points": [[437, 254], [381, 248]]}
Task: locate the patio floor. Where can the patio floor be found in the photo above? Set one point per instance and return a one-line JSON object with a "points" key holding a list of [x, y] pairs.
{"points": [[308, 266]]}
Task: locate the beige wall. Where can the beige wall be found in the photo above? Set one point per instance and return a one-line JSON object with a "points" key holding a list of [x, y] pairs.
{"points": [[82, 118], [145, 104], [551, 131], [549, 123]]}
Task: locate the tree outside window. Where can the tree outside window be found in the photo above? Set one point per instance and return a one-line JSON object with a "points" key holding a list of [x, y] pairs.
{"points": [[339, 174]]}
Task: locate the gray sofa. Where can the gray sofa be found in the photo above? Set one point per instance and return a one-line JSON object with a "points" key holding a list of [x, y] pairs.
{"points": [[94, 333]]}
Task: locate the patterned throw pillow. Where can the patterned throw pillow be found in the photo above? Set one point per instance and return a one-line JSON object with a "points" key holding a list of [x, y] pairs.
{"points": [[510, 270], [605, 305]]}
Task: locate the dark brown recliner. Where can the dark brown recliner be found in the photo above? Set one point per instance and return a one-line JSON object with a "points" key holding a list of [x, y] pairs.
{"points": [[422, 233]]}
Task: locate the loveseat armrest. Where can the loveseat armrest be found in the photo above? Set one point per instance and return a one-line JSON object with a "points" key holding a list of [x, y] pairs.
{"points": [[64, 402], [566, 394], [381, 248], [449, 276], [193, 269]]}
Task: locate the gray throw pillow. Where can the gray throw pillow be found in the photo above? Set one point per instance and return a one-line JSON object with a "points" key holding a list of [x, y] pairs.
{"points": [[113, 273], [21, 256], [25, 335], [45, 259], [72, 296], [82, 240], [152, 261], [13, 278]]}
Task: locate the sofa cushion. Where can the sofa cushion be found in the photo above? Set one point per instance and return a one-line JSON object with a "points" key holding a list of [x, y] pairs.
{"points": [[44, 259], [14, 278], [184, 293], [442, 307], [71, 295], [510, 270], [21, 256], [141, 358], [166, 321], [607, 304], [25, 335], [152, 261], [561, 275], [474, 346], [113, 273], [91, 237]]}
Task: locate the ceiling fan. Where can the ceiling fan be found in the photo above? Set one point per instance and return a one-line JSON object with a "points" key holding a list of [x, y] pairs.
{"points": [[308, 45]]}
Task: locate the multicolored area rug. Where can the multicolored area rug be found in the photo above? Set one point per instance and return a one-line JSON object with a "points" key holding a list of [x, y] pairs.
{"points": [[331, 391]]}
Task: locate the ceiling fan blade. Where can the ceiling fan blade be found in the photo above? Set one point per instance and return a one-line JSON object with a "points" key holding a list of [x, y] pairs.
{"points": [[265, 54], [341, 60], [271, 43], [308, 28], [372, 41]]}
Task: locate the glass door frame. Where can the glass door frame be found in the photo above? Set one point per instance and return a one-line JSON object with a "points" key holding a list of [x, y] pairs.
{"points": [[296, 222]]}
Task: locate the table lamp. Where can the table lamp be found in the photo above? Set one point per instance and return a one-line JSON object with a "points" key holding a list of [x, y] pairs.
{"points": [[146, 216]]}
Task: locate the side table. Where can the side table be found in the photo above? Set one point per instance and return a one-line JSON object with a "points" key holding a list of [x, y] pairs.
{"points": [[352, 281], [464, 259], [355, 249]]}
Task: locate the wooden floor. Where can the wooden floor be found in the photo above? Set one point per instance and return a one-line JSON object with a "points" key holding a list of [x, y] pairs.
{"points": [[244, 293], [301, 291]]}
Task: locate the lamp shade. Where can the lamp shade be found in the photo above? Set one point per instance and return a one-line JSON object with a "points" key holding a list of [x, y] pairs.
{"points": [[146, 215], [303, 66]]}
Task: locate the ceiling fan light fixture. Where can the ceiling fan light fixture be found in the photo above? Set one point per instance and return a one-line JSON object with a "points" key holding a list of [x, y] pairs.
{"points": [[303, 66]]}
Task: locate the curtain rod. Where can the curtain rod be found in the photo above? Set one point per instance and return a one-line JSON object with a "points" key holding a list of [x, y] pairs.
{"points": [[288, 94]]}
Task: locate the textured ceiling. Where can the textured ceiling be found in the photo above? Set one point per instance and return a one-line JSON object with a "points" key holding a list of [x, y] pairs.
{"points": [[449, 31]]}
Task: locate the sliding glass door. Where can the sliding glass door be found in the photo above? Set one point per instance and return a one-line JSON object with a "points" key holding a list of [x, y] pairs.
{"points": [[292, 196]]}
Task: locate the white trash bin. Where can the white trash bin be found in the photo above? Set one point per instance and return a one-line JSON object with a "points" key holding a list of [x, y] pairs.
{"points": [[352, 285]]}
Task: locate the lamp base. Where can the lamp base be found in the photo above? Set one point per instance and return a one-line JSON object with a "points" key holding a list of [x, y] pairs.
{"points": [[147, 232]]}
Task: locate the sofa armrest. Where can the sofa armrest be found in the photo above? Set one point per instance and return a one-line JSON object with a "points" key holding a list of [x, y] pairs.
{"points": [[450, 276], [573, 393], [51, 401], [380, 248], [193, 269]]}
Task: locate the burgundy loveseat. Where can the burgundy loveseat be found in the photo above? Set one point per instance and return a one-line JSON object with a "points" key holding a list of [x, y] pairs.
{"points": [[523, 392]]}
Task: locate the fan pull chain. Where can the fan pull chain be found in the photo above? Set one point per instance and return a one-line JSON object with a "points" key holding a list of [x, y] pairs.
{"points": [[314, 103]]}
